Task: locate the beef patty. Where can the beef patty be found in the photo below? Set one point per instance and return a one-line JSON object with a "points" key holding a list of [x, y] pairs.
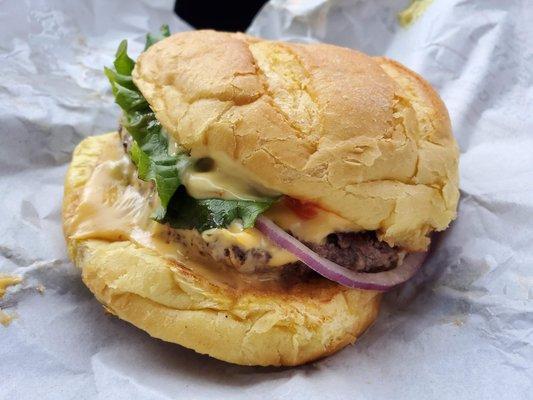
{"points": [[358, 251]]}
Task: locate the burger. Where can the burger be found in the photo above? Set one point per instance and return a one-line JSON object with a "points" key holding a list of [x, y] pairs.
{"points": [[258, 196]]}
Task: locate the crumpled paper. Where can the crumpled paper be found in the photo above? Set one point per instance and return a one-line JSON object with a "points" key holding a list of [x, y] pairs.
{"points": [[462, 329]]}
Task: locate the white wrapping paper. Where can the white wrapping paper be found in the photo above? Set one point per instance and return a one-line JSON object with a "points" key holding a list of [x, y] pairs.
{"points": [[462, 329]]}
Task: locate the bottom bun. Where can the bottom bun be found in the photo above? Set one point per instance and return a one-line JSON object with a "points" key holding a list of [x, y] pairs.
{"points": [[173, 301]]}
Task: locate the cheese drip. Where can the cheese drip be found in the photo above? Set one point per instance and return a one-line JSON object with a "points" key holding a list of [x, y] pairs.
{"points": [[223, 178]]}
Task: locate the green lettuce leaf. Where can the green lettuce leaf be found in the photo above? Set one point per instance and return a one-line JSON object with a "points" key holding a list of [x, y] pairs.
{"points": [[185, 212], [149, 153], [152, 38]]}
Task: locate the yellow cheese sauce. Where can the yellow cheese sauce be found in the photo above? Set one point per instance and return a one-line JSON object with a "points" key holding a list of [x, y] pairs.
{"points": [[5, 282], [246, 239], [415, 10], [217, 184], [313, 229], [5, 318], [115, 206], [224, 179]]}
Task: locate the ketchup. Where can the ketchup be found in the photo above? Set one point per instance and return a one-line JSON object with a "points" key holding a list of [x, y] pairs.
{"points": [[303, 209]]}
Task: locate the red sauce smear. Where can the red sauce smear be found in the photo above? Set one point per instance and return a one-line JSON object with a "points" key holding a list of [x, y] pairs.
{"points": [[303, 209]]}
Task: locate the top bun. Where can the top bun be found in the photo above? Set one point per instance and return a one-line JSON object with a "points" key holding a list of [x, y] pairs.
{"points": [[363, 137]]}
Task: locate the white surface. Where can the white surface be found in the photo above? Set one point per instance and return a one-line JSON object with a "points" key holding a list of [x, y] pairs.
{"points": [[461, 330]]}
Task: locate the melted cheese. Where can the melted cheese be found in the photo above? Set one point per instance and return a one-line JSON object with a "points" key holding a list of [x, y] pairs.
{"points": [[116, 206], [310, 230], [226, 180], [217, 184], [5, 318], [246, 239], [415, 10], [6, 281], [111, 208]]}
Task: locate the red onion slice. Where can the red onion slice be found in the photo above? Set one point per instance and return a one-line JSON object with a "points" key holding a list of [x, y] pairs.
{"points": [[381, 281]]}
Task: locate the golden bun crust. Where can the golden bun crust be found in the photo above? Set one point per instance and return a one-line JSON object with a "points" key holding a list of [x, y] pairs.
{"points": [[363, 137], [171, 301]]}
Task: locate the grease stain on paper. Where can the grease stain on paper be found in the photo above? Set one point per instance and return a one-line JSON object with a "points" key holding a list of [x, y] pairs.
{"points": [[407, 17], [5, 318]]}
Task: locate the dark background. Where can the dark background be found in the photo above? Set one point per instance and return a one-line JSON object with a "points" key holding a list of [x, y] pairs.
{"points": [[229, 15]]}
